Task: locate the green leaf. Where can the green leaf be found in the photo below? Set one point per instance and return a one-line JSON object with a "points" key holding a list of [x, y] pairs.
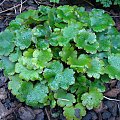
{"points": [[16, 24], [72, 30], [92, 99], [96, 68], [24, 90], [15, 84], [15, 55], [42, 44], [115, 43], [66, 52], [51, 15], [57, 77], [27, 74], [28, 15], [26, 59], [87, 41], [23, 38], [8, 66], [41, 30], [6, 42], [104, 43], [64, 98], [41, 58], [37, 95], [53, 68], [62, 80], [81, 63], [99, 23], [55, 1], [19, 87], [74, 112], [113, 68]]}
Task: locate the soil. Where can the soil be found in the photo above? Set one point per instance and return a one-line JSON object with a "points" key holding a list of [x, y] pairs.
{"points": [[12, 109]]}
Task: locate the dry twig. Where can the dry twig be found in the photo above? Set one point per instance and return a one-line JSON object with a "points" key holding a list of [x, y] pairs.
{"points": [[12, 7], [47, 114], [111, 99], [2, 2], [10, 111], [21, 6]]}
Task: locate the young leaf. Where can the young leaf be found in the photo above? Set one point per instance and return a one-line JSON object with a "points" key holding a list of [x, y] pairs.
{"points": [[41, 58], [27, 74]]}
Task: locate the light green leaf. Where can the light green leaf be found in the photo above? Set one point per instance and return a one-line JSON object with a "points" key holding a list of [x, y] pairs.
{"points": [[64, 98], [81, 63], [113, 68], [87, 41], [41, 58], [66, 52], [96, 68], [92, 99], [72, 30], [19, 87], [42, 44], [104, 43], [27, 74]]}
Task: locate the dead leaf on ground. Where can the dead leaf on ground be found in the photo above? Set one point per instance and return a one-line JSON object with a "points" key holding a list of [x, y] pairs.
{"points": [[112, 93]]}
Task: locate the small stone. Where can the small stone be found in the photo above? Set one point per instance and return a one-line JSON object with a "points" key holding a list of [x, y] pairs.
{"points": [[37, 111], [94, 115], [118, 85], [3, 94], [40, 116], [118, 118], [113, 110], [26, 113], [112, 118], [106, 115], [112, 93], [88, 117]]}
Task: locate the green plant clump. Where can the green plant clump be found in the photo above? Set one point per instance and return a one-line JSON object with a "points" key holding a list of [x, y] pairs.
{"points": [[108, 3], [61, 56]]}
